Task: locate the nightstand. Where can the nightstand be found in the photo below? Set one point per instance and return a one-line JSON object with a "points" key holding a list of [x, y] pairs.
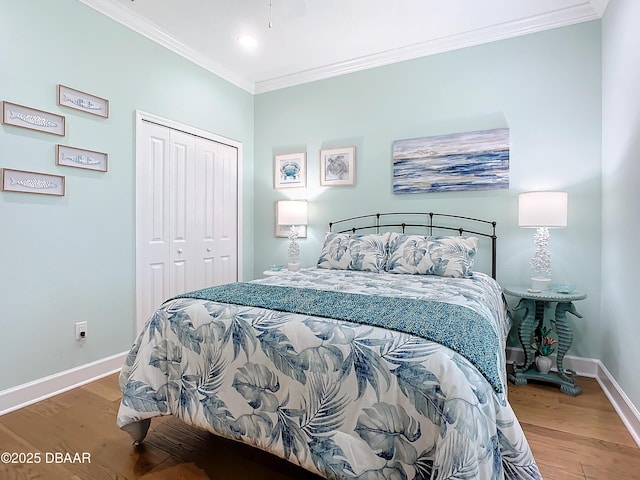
{"points": [[283, 271], [273, 272], [534, 305]]}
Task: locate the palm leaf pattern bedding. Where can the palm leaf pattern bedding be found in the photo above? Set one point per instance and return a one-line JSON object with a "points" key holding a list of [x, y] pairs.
{"points": [[344, 400]]}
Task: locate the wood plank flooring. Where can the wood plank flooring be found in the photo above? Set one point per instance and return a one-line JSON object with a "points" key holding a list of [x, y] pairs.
{"points": [[571, 438]]}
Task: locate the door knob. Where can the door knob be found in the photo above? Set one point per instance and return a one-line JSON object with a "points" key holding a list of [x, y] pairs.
{"points": [[180, 250], [208, 249]]}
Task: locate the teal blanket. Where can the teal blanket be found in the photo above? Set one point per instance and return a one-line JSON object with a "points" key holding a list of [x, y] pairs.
{"points": [[455, 326]]}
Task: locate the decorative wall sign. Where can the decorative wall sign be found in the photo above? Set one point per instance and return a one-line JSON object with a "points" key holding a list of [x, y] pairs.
{"points": [[69, 97], [32, 182], [338, 166], [456, 162], [81, 158], [290, 170], [31, 118]]}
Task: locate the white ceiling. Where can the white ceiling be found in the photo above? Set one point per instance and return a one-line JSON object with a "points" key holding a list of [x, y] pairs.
{"points": [[315, 39]]}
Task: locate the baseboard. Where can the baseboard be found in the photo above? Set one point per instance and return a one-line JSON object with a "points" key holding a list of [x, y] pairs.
{"points": [[594, 368], [628, 412], [37, 390]]}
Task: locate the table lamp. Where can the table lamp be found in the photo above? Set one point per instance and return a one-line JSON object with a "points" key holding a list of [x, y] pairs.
{"points": [[294, 214], [542, 211]]}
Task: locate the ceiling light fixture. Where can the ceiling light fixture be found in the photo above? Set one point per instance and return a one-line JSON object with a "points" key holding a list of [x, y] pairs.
{"points": [[247, 41]]}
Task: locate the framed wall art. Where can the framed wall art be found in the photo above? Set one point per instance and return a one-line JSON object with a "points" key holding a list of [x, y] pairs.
{"points": [[290, 170], [81, 158], [32, 182], [338, 166], [455, 162], [33, 119], [72, 98]]}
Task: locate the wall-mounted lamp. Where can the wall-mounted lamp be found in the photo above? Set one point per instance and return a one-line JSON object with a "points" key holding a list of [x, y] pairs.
{"points": [[542, 210], [292, 213]]}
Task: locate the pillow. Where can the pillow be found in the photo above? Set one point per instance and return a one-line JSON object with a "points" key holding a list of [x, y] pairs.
{"points": [[442, 256], [343, 251]]}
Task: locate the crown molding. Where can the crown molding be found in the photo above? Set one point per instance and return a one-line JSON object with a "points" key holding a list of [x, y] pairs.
{"points": [[600, 6], [582, 12], [559, 18], [138, 24]]}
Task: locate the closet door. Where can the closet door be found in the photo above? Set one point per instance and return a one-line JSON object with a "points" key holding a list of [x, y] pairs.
{"points": [[183, 248], [186, 215], [153, 230], [216, 213]]}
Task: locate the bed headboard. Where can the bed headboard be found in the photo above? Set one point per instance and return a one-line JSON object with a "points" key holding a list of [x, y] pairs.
{"points": [[419, 222]]}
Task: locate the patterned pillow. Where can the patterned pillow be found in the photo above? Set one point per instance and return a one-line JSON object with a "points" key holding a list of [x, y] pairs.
{"points": [[342, 251], [442, 256]]}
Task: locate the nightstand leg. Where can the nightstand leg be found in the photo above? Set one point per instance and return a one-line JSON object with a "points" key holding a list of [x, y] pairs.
{"points": [[565, 339], [525, 332]]}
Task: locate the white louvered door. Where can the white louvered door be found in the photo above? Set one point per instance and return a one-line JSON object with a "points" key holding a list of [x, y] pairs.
{"points": [[186, 215]]}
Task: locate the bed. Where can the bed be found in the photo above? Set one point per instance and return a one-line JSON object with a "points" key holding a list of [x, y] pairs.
{"points": [[384, 361]]}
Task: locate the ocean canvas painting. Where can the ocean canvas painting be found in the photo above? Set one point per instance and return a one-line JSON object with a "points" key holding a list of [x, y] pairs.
{"points": [[454, 162]]}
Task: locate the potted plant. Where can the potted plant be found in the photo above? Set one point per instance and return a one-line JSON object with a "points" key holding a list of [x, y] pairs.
{"points": [[544, 346]]}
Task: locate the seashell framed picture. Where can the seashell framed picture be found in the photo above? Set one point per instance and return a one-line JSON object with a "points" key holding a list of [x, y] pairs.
{"points": [[72, 98], [290, 170], [81, 158], [33, 119], [338, 166], [32, 182]]}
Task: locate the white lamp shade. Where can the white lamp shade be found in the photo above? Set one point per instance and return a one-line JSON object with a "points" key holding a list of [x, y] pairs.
{"points": [[542, 209], [292, 212]]}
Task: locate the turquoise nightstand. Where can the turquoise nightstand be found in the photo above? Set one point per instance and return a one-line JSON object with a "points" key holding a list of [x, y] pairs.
{"points": [[534, 306]]}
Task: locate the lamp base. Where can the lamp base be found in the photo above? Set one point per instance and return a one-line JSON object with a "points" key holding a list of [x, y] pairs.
{"points": [[293, 267], [539, 284]]}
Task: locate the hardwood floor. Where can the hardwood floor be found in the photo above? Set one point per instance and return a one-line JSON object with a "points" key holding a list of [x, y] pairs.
{"points": [[571, 438], [575, 437]]}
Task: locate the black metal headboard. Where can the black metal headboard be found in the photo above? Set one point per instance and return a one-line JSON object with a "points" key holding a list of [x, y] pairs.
{"points": [[440, 222]]}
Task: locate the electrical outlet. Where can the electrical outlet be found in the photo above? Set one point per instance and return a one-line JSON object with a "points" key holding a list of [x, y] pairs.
{"points": [[81, 330]]}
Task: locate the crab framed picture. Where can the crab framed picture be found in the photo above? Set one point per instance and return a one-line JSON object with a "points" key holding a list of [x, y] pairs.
{"points": [[72, 98], [338, 166], [290, 170], [32, 182]]}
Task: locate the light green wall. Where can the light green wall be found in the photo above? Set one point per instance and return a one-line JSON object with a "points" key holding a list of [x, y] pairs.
{"points": [[69, 259], [619, 330], [545, 87]]}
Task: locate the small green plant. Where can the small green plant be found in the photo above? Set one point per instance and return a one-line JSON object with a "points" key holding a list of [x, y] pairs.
{"points": [[544, 342]]}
